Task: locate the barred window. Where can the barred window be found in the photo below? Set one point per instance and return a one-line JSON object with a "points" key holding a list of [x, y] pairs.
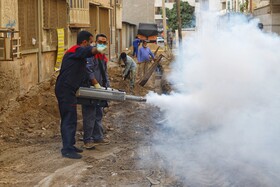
{"points": [[77, 4]]}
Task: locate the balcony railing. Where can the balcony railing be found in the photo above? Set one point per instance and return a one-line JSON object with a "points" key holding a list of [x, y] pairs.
{"points": [[79, 13]]}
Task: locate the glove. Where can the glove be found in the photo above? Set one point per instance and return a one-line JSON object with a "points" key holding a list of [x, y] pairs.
{"points": [[97, 86], [101, 48]]}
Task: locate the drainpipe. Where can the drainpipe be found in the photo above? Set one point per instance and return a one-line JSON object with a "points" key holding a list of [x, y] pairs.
{"points": [[68, 25], [40, 17], [116, 30], [111, 29], [164, 23]]}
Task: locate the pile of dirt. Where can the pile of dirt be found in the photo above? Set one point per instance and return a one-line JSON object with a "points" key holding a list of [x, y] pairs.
{"points": [[8, 85], [34, 116]]}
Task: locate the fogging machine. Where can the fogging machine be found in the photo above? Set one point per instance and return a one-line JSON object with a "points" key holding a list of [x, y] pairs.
{"points": [[106, 94]]}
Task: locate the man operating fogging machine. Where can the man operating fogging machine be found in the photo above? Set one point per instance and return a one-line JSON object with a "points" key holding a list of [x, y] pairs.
{"points": [[71, 76], [94, 95], [92, 109]]}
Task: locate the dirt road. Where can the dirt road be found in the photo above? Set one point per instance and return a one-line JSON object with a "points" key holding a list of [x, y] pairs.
{"points": [[30, 143], [39, 163]]}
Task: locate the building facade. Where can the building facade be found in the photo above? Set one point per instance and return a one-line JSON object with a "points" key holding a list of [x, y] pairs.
{"points": [[133, 13], [29, 38], [267, 11], [269, 14]]}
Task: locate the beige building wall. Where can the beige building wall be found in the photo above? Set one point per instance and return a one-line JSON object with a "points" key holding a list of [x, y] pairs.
{"points": [[138, 11], [101, 2], [269, 15], [128, 34], [9, 14], [133, 13], [12, 73], [36, 63]]}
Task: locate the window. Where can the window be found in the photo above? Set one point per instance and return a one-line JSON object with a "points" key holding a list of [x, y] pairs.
{"points": [[77, 4], [28, 23], [9, 45]]}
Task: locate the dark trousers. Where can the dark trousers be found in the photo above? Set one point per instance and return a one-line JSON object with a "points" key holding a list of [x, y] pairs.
{"points": [[67, 103], [135, 51], [92, 122]]}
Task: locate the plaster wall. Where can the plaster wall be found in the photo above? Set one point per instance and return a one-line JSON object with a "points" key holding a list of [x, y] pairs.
{"points": [[28, 72], [17, 77], [271, 21], [48, 62], [136, 11], [102, 2], [9, 14]]}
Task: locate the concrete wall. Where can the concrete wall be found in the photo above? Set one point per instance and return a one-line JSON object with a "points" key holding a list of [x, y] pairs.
{"points": [[9, 14], [102, 2], [138, 11], [128, 35], [276, 23], [18, 76], [269, 15], [28, 72], [47, 64]]}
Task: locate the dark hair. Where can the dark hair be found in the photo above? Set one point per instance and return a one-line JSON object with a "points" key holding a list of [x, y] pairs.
{"points": [[83, 35], [260, 26], [123, 55], [100, 35]]}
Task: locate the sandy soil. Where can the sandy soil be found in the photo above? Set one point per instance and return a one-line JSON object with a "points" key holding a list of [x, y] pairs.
{"points": [[30, 146], [30, 143]]}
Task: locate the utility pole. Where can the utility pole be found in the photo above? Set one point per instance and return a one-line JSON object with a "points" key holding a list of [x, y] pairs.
{"points": [[164, 22], [179, 21], [251, 6]]}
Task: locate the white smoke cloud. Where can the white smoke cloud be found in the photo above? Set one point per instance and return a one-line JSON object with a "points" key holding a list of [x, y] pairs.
{"points": [[223, 121]]}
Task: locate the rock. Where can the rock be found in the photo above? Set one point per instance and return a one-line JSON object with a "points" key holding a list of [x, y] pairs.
{"points": [[46, 86], [153, 181], [31, 125]]}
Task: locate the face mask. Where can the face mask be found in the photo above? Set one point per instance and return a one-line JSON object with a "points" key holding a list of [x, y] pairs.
{"points": [[101, 46]]}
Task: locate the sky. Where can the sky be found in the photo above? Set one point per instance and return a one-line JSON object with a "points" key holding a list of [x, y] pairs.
{"points": [[221, 123]]}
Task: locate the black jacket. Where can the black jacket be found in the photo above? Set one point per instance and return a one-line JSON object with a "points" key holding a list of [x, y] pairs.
{"points": [[73, 68]]}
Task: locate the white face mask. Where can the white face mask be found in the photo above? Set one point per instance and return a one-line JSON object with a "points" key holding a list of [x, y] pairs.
{"points": [[101, 45], [101, 48]]}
